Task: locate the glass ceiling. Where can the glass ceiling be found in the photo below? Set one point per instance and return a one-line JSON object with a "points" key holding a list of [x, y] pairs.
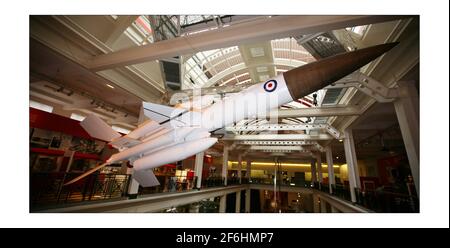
{"points": [[140, 31], [226, 66]]}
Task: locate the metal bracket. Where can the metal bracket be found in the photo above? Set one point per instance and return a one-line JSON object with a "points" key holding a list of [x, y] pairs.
{"points": [[368, 86]]}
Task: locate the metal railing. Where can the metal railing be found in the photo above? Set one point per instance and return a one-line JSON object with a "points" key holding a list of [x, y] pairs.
{"points": [[269, 181], [47, 189], [379, 201], [171, 184], [387, 202]]}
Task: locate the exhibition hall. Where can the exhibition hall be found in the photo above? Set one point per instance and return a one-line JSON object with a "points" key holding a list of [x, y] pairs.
{"points": [[224, 114]]}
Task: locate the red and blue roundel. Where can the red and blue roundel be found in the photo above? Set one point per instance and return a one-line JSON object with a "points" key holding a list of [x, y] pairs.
{"points": [[270, 85]]}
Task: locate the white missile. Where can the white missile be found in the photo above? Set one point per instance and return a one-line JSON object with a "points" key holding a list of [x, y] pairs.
{"points": [[174, 134], [173, 153]]}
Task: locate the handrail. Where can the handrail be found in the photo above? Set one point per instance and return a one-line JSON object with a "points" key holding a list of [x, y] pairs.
{"points": [[340, 204], [150, 203], [112, 186]]}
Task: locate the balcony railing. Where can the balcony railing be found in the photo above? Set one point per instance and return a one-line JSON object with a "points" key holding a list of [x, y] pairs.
{"points": [[47, 190]]}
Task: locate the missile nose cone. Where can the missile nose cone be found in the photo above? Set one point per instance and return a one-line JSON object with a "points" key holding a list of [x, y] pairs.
{"points": [[314, 76]]}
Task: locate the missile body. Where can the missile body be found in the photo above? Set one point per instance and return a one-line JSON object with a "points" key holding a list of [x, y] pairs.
{"points": [[172, 137], [173, 153], [251, 102], [294, 84]]}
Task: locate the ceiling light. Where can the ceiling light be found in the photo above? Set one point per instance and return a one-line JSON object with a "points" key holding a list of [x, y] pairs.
{"points": [[110, 86], [340, 140]]}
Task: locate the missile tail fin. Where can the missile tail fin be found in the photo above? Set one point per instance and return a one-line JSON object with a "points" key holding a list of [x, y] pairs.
{"points": [[98, 129], [145, 178]]}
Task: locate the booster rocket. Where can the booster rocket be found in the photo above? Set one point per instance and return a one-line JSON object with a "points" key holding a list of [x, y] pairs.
{"points": [[174, 134]]}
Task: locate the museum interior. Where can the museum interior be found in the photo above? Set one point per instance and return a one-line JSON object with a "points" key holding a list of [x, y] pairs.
{"points": [[351, 146]]}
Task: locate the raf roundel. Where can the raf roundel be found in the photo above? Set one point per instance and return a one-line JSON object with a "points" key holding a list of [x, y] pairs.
{"points": [[270, 85]]}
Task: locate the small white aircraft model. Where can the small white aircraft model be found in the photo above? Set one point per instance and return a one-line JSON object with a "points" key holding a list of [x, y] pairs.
{"points": [[176, 133]]}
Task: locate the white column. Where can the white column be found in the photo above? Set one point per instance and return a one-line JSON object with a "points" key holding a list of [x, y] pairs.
{"points": [[313, 172], [352, 165], [225, 164], [249, 169], [247, 200], [199, 168], [238, 202], [407, 107], [133, 187], [240, 168], [319, 167], [223, 204], [355, 160], [329, 155]]}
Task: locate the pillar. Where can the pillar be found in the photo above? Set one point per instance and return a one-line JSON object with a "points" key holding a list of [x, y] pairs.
{"points": [[329, 155], [223, 204], [198, 169], [249, 169], [133, 186], [240, 168], [316, 203], [225, 165], [406, 108], [313, 172], [319, 167], [247, 200], [352, 164], [238, 201]]}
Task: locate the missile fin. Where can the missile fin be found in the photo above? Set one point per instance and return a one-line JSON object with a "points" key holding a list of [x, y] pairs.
{"points": [[161, 113], [145, 178], [97, 128]]}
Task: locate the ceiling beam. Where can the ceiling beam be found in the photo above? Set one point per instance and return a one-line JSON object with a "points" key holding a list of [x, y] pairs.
{"points": [[279, 137], [279, 148], [316, 112], [121, 24], [252, 31], [275, 142]]}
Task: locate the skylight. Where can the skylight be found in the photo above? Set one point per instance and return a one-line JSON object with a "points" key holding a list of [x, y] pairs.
{"points": [[358, 29], [77, 117], [41, 106]]}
